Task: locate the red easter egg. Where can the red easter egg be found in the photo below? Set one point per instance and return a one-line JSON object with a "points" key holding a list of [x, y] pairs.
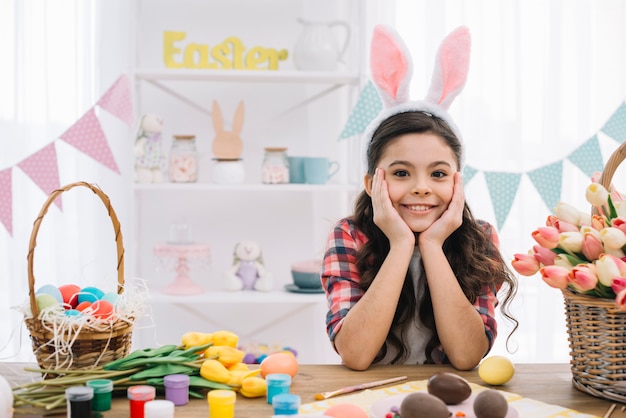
{"points": [[83, 305], [70, 294], [102, 309]]}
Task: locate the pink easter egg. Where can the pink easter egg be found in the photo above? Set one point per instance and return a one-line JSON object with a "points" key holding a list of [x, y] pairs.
{"points": [[70, 294], [102, 309]]}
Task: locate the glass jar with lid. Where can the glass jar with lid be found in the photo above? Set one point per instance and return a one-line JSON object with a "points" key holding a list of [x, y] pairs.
{"points": [[275, 168], [184, 159]]}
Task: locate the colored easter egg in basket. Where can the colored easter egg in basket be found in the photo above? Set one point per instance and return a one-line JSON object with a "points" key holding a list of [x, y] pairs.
{"points": [[279, 363], [83, 305], [45, 300], [345, 410], [90, 294], [72, 312], [70, 294], [102, 309], [50, 290], [110, 297]]}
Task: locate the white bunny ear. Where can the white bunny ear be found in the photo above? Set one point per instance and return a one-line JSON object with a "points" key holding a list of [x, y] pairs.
{"points": [[451, 68], [391, 65]]}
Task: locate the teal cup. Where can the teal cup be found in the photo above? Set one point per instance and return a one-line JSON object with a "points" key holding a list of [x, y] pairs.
{"points": [[318, 170], [296, 169]]}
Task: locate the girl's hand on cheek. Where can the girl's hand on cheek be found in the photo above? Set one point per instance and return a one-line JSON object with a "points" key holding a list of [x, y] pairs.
{"points": [[450, 220], [386, 216]]}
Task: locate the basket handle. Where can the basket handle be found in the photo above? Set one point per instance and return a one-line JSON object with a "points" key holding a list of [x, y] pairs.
{"points": [[33, 239], [611, 165]]}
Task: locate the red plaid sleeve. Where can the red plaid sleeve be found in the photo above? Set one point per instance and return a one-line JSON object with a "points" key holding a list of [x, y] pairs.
{"points": [[340, 277]]}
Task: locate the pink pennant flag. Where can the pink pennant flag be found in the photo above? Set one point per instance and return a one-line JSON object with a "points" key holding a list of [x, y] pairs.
{"points": [[6, 200], [87, 136], [42, 168], [117, 100]]}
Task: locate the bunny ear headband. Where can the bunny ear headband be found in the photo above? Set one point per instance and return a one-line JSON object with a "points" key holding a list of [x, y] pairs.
{"points": [[392, 70]]}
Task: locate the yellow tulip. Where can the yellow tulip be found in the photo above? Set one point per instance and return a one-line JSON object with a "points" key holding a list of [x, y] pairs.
{"points": [[253, 387], [225, 338], [239, 367], [214, 371], [195, 339]]}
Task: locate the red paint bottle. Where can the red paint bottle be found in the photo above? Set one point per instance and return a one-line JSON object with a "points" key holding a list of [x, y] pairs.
{"points": [[138, 396]]}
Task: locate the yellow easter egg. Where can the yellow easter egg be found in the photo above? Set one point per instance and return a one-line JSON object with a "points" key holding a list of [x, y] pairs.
{"points": [[496, 370]]}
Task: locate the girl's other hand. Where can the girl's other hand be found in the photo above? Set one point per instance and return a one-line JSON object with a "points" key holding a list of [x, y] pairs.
{"points": [[450, 220], [386, 217]]}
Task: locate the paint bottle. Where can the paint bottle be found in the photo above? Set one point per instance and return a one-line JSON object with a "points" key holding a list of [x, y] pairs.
{"points": [[286, 404], [79, 401], [138, 396], [221, 403], [177, 388], [161, 408], [277, 383], [102, 394]]}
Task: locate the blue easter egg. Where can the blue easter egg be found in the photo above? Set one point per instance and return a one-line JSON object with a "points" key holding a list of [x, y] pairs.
{"points": [[90, 294], [73, 312], [51, 290], [110, 297]]}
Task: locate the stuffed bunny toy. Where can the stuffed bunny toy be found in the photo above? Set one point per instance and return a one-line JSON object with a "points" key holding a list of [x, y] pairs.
{"points": [[227, 145], [392, 70], [248, 272], [149, 156]]}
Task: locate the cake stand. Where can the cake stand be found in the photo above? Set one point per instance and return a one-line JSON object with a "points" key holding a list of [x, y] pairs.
{"points": [[182, 255]]}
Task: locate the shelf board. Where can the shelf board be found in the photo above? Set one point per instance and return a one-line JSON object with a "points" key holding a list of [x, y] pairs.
{"points": [[157, 187], [260, 76], [247, 297]]}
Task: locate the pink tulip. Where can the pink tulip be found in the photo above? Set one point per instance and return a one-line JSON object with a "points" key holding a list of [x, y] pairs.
{"points": [[546, 236], [583, 277], [598, 222], [544, 256], [619, 283], [619, 223], [551, 220], [608, 267], [563, 226], [592, 246], [555, 276], [620, 300], [525, 264]]}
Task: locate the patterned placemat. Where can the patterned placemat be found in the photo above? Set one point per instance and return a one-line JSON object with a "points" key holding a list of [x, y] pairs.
{"points": [[527, 408]]}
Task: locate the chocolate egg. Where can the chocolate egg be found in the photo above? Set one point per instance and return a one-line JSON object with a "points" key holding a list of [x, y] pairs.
{"points": [[490, 404], [452, 389], [423, 405]]}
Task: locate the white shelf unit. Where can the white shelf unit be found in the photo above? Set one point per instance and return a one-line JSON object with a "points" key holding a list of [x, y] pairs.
{"points": [[302, 110]]}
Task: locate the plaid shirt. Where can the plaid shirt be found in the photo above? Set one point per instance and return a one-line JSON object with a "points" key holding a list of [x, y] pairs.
{"points": [[341, 278]]}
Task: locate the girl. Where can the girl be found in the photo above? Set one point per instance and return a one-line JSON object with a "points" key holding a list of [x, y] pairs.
{"points": [[412, 276]]}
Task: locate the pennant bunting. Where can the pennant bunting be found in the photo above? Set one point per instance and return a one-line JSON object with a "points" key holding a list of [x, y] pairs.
{"points": [[547, 181], [87, 136], [117, 100], [468, 174], [615, 127], [6, 200], [42, 168], [367, 107], [588, 157], [502, 189]]}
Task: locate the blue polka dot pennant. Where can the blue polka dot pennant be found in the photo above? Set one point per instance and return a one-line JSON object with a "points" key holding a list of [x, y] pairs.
{"points": [[548, 180], [367, 107], [502, 189], [588, 156], [615, 127], [468, 174]]}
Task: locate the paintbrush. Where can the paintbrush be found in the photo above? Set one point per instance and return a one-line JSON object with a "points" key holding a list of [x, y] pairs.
{"points": [[349, 389]]}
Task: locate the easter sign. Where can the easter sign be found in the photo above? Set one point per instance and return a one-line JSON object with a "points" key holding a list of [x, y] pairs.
{"points": [[229, 54]]}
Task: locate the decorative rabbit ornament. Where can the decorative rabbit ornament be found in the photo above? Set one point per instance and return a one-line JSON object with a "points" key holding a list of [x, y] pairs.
{"points": [[227, 145], [149, 156], [392, 70], [248, 272]]}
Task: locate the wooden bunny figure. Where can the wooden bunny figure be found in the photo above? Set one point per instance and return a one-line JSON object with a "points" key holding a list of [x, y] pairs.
{"points": [[248, 272], [227, 145], [149, 156]]}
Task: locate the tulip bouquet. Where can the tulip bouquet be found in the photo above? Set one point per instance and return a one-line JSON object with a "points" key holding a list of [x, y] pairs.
{"points": [[581, 251]]}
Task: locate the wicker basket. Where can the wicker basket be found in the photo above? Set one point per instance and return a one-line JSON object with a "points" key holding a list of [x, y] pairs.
{"points": [[597, 330], [90, 344]]}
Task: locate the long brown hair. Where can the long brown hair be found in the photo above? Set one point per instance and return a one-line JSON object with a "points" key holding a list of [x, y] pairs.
{"points": [[475, 260]]}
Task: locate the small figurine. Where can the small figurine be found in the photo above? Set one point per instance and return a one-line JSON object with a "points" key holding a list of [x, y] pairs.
{"points": [[149, 156], [227, 145], [248, 272]]}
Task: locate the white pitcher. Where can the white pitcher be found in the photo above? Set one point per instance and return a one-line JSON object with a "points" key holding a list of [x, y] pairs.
{"points": [[316, 48]]}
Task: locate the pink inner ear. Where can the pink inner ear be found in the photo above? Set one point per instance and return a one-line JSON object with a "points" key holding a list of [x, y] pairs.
{"points": [[389, 68], [454, 63]]}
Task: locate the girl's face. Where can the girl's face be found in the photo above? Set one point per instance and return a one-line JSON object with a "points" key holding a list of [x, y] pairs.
{"points": [[419, 170]]}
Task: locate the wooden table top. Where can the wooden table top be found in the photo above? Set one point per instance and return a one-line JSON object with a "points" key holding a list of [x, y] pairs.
{"points": [[549, 383]]}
